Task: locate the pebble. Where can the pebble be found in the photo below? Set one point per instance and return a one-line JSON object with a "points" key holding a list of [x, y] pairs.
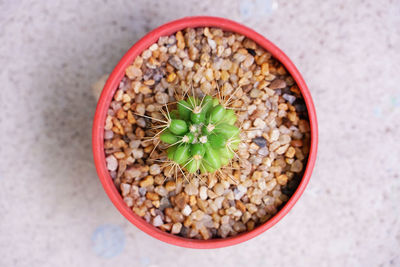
{"points": [[112, 163], [297, 166], [157, 221], [147, 181], [289, 98], [277, 84], [270, 185], [274, 135], [155, 169], [197, 215], [187, 63], [186, 210], [170, 186], [219, 189], [161, 191], [176, 62], [176, 228], [203, 193], [260, 141], [284, 139], [152, 196], [125, 189], [181, 200], [133, 72], [162, 98], [263, 151], [176, 216], [282, 179], [137, 153], [191, 189]]}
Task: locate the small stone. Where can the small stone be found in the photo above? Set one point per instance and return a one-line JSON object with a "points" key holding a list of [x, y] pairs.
{"points": [[133, 72], [157, 221], [155, 169], [282, 179], [191, 189], [270, 185], [265, 69], [181, 200], [203, 193], [197, 215], [176, 228], [218, 202], [239, 227], [297, 166], [152, 196], [128, 201], [274, 135], [112, 163], [170, 186], [176, 62], [211, 43], [176, 216], [147, 181], [145, 90], [263, 151], [284, 139], [125, 189], [259, 123], [171, 77], [180, 41], [225, 219], [219, 189], [289, 98], [161, 191], [277, 84], [281, 150], [255, 93], [209, 74], [187, 63], [186, 210], [162, 98], [132, 173]]}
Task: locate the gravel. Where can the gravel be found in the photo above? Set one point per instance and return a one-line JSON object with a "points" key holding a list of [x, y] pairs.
{"points": [[271, 113]]}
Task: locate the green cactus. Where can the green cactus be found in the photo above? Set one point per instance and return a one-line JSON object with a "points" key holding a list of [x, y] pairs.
{"points": [[201, 134]]}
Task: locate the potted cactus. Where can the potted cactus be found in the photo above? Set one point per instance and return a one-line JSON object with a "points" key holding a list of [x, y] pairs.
{"points": [[205, 133]]}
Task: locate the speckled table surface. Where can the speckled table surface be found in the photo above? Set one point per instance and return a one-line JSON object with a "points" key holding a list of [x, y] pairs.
{"points": [[53, 209]]}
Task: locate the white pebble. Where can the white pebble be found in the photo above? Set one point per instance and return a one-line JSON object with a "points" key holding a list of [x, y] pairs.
{"points": [[157, 221], [203, 193], [112, 163], [187, 210]]}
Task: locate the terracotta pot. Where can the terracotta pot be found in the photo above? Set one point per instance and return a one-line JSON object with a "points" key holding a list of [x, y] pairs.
{"points": [[107, 95]]}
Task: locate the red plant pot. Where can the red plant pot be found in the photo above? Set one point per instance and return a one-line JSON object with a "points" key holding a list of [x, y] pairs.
{"points": [[107, 95]]}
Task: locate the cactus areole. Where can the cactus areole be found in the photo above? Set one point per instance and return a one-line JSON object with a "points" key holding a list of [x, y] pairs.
{"points": [[201, 134]]}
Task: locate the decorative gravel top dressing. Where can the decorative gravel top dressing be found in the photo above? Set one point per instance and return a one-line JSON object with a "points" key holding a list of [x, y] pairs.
{"points": [[193, 195]]}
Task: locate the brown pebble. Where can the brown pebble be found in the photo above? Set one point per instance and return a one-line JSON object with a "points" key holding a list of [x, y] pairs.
{"points": [[139, 133], [170, 186], [176, 216], [277, 84], [152, 196], [282, 179], [240, 206], [296, 143], [250, 225], [131, 118], [147, 181], [181, 200], [290, 152], [180, 42]]}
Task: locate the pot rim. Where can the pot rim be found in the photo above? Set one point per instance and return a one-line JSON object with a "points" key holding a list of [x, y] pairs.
{"points": [[112, 85]]}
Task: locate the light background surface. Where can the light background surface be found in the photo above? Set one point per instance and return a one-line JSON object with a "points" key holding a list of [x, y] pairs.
{"points": [[53, 209]]}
